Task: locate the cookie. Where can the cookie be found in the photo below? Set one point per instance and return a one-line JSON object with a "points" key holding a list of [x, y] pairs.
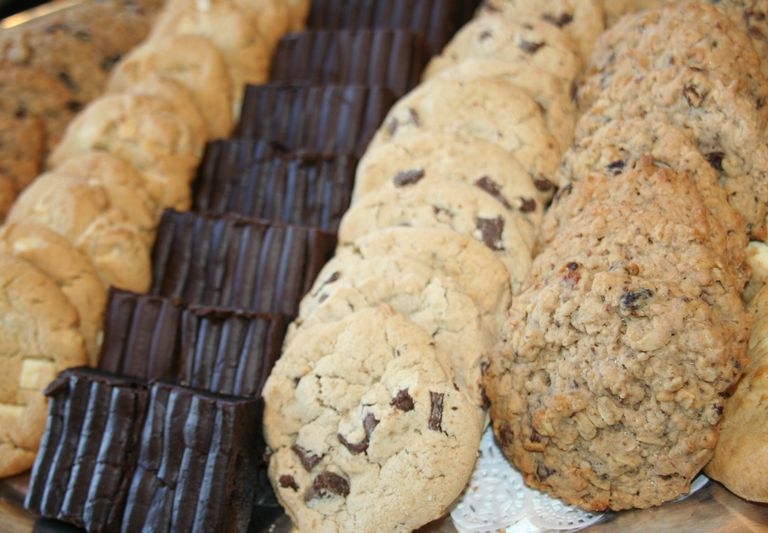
{"points": [[191, 60], [750, 16], [721, 121], [583, 20], [30, 92], [491, 108], [552, 95], [113, 180], [61, 51], [523, 40], [233, 28], [84, 214], [431, 159], [420, 293], [618, 145], [477, 272], [22, 141], [458, 206], [739, 460], [77, 278], [695, 35], [622, 315], [40, 338], [757, 257], [616, 9], [343, 442], [149, 132]]}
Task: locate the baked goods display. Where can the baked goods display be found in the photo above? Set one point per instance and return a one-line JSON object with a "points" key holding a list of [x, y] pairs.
{"points": [[320, 297]]}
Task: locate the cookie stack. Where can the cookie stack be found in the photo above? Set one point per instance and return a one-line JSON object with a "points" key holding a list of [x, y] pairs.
{"points": [[609, 386], [448, 199], [51, 68], [90, 223]]}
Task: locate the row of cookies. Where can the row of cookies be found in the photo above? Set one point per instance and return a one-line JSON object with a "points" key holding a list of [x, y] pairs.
{"points": [[51, 68], [379, 380], [609, 386], [89, 222]]}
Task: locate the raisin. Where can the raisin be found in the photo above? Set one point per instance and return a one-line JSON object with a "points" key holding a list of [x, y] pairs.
{"points": [[715, 160], [288, 482], [634, 300], [562, 20], [402, 401], [543, 472], [408, 177], [327, 484], [490, 231], [529, 47], [436, 411], [616, 167], [543, 184], [527, 205], [308, 458]]}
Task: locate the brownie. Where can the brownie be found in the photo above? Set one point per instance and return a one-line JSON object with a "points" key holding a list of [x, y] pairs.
{"points": [[223, 157], [232, 261], [306, 190], [435, 20], [393, 59], [339, 119], [89, 448], [123, 455], [221, 350]]}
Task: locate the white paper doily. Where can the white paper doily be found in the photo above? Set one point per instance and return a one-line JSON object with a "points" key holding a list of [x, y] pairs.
{"points": [[496, 498]]}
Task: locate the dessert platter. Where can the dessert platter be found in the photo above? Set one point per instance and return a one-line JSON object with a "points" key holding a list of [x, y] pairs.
{"points": [[384, 265]]}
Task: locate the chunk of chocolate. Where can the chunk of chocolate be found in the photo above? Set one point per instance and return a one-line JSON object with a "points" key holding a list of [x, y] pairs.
{"points": [[221, 350], [232, 261], [436, 411], [403, 400], [408, 177], [491, 230], [355, 448], [339, 119], [89, 450], [393, 59], [327, 484], [308, 458], [306, 190]]}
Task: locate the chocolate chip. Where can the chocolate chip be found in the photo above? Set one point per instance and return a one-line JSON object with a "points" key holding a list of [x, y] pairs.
{"points": [[543, 184], [408, 177], [490, 231], [436, 411], [542, 472], [529, 47], [485, 35], [616, 167], [486, 184], [66, 80], [715, 160], [572, 275], [527, 205], [559, 21], [308, 458], [287, 482], [402, 401], [369, 424], [327, 484], [693, 96], [634, 300]]}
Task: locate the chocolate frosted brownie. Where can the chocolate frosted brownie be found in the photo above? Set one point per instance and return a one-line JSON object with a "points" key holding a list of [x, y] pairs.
{"points": [[231, 261], [389, 58], [338, 119], [223, 158], [220, 350], [306, 190], [435, 20], [116, 457]]}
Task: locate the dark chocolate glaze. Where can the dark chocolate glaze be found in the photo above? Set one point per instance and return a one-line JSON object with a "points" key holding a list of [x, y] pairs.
{"points": [[338, 119], [435, 20], [225, 351], [231, 261], [394, 59], [305, 190]]}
